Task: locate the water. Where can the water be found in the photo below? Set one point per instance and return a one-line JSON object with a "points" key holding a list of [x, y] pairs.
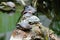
{"points": [[50, 21]]}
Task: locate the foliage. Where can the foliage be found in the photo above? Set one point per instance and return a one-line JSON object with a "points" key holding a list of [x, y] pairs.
{"points": [[7, 22], [46, 7]]}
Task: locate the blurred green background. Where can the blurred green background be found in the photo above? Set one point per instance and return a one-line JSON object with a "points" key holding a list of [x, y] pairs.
{"points": [[8, 23]]}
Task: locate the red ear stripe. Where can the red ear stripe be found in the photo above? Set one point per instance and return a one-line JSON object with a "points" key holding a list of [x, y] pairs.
{"points": [[29, 11]]}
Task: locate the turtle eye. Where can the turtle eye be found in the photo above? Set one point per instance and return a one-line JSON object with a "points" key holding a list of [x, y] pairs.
{"points": [[18, 26], [31, 23], [35, 22], [24, 12]]}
